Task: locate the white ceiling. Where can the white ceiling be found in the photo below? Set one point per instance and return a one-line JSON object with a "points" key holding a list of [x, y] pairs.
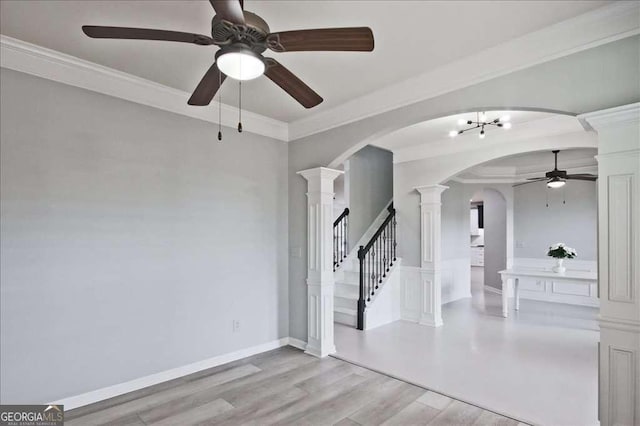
{"points": [[412, 37]]}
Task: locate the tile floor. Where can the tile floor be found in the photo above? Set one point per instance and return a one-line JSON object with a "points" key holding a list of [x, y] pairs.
{"points": [[539, 365]]}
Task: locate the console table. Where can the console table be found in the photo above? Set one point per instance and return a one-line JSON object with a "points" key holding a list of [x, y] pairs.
{"points": [[579, 277]]}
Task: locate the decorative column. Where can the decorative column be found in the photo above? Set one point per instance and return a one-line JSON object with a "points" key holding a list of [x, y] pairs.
{"points": [[320, 260], [618, 262], [430, 254]]}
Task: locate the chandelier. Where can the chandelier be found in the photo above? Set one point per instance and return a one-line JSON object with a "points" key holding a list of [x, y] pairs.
{"points": [[480, 123]]}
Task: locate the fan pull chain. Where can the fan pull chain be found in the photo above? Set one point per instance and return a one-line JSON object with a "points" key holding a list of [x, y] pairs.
{"points": [[240, 107], [564, 195], [219, 106], [546, 192]]}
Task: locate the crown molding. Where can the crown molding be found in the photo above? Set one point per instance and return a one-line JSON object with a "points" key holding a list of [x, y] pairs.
{"points": [[597, 27], [625, 114], [32, 59], [594, 28]]}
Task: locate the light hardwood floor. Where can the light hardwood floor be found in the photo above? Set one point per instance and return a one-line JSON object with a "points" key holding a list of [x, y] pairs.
{"points": [[284, 386]]}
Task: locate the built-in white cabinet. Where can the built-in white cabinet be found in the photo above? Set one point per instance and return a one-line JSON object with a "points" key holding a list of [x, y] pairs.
{"points": [[473, 222], [477, 256]]}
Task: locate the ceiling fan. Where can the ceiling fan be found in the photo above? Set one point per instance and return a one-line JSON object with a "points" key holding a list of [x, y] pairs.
{"points": [[557, 178], [242, 37]]}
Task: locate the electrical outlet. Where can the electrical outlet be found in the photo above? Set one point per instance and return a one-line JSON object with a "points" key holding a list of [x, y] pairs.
{"points": [[236, 326]]}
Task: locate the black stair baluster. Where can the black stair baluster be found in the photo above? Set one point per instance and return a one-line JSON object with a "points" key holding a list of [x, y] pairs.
{"points": [[340, 241]]}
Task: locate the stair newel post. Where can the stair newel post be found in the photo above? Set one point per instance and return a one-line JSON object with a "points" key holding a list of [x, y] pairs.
{"points": [[345, 232], [361, 302], [320, 281]]}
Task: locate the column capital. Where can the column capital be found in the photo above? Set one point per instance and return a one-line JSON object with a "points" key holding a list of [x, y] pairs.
{"points": [[320, 172], [430, 193], [612, 117]]}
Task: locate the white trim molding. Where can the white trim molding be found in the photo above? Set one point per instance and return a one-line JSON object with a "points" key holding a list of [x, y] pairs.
{"points": [[35, 60], [625, 114], [163, 376], [594, 28]]}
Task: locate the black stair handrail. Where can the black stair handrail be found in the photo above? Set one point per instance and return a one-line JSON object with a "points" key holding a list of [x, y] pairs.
{"points": [[376, 259], [340, 238]]}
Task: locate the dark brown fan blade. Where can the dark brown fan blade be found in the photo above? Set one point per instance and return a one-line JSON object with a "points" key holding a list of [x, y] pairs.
{"points": [[530, 180], [145, 34], [359, 39], [229, 10], [207, 87], [584, 176], [291, 84]]}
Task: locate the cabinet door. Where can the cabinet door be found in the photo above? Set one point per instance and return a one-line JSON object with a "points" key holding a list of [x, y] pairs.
{"points": [[473, 221]]}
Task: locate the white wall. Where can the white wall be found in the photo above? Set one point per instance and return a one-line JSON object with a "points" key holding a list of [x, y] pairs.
{"points": [[573, 222], [369, 175], [131, 238]]}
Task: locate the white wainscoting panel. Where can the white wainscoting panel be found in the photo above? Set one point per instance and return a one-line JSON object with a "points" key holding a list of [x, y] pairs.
{"points": [[455, 278], [560, 292]]}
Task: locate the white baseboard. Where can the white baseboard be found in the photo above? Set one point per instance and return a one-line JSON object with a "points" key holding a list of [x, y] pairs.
{"points": [[122, 388], [297, 343]]}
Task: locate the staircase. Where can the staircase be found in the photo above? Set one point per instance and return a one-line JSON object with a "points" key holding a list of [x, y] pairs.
{"points": [[355, 292]]}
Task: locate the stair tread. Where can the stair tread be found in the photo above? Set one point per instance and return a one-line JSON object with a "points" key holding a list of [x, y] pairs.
{"points": [[346, 294], [346, 311]]}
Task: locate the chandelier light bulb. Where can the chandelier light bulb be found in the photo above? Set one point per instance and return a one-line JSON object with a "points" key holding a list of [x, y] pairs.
{"points": [[479, 124]]}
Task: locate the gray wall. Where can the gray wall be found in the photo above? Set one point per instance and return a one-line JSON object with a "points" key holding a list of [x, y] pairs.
{"points": [[131, 239], [495, 236], [595, 79], [573, 223], [370, 180]]}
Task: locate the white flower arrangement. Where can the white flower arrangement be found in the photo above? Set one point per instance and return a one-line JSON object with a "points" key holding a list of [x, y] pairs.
{"points": [[561, 251]]}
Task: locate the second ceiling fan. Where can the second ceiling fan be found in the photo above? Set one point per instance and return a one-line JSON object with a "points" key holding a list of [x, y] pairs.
{"points": [[557, 178], [242, 37]]}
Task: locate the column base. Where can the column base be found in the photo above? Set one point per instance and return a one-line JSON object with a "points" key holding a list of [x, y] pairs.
{"points": [[431, 322], [318, 352]]}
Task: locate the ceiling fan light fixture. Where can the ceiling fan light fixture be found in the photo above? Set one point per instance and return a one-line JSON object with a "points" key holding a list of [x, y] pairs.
{"points": [[555, 183], [506, 125], [453, 134], [240, 63], [482, 134]]}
